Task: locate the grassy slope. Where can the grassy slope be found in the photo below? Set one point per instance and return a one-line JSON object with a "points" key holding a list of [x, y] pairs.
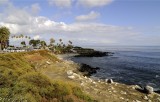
{"points": [[20, 79]]}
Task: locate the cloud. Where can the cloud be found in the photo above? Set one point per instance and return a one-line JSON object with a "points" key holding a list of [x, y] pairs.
{"points": [[91, 16], [36, 37], [94, 3], [2, 2], [61, 3], [35, 8], [13, 15], [21, 21]]}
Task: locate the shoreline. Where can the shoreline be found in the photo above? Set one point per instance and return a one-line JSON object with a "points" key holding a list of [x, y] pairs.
{"points": [[117, 92], [67, 58]]}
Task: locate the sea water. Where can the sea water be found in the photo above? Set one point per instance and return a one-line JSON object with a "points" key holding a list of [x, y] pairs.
{"points": [[129, 64]]}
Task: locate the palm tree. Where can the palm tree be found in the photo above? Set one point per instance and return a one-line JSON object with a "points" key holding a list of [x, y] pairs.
{"points": [[60, 40], [52, 41], [70, 42], [23, 43], [22, 35], [4, 37]]}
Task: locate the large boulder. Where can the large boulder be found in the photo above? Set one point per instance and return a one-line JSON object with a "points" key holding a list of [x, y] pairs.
{"points": [[148, 89]]}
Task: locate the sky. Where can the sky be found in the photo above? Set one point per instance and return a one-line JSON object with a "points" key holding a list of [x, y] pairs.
{"points": [[84, 22]]}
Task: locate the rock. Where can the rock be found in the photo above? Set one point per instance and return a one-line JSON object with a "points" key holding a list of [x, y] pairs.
{"points": [[75, 74], [145, 97], [137, 101], [136, 87], [148, 89], [158, 99], [90, 80], [69, 72], [94, 82], [122, 98], [86, 52], [82, 84], [88, 70], [110, 81], [48, 62], [106, 80], [71, 77], [122, 92]]}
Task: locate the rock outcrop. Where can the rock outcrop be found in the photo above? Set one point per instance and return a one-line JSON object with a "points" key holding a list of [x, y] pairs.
{"points": [[87, 52], [88, 70]]}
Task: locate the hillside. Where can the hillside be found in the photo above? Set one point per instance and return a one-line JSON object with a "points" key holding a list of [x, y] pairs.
{"points": [[22, 79]]}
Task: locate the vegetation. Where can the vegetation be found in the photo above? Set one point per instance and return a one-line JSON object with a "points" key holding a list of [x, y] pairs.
{"points": [[21, 81], [34, 43], [4, 37], [43, 44], [23, 43]]}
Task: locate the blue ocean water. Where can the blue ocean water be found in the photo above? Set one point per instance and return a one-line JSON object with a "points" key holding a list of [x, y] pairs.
{"points": [[130, 64]]}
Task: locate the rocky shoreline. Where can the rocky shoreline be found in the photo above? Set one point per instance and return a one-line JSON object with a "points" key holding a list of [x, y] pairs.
{"points": [[83, 73], [87, 52]]}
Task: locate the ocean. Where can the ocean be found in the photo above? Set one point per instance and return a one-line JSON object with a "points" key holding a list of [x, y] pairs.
{"points": [[133, 65]]}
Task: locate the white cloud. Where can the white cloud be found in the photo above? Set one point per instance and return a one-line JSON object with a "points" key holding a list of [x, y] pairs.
{"points": [[13, 15], [2, 2], [36, 37], [94, 3], [35, 8], [91, 16], [19, 21], [61, 3]]}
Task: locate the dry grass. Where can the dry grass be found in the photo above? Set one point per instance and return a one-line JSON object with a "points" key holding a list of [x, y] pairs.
{"points": [[22, 78]]}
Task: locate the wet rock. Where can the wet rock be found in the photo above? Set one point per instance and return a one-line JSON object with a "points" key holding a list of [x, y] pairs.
{"points": [[87, 52], [88, 70], [148, 89]]}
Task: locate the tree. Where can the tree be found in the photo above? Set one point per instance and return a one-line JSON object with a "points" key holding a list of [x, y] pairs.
{"points": [[4, 37], [70, 42], [23, 43], [52, 41], [43, 44], [60, 40], [34, 43]]}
